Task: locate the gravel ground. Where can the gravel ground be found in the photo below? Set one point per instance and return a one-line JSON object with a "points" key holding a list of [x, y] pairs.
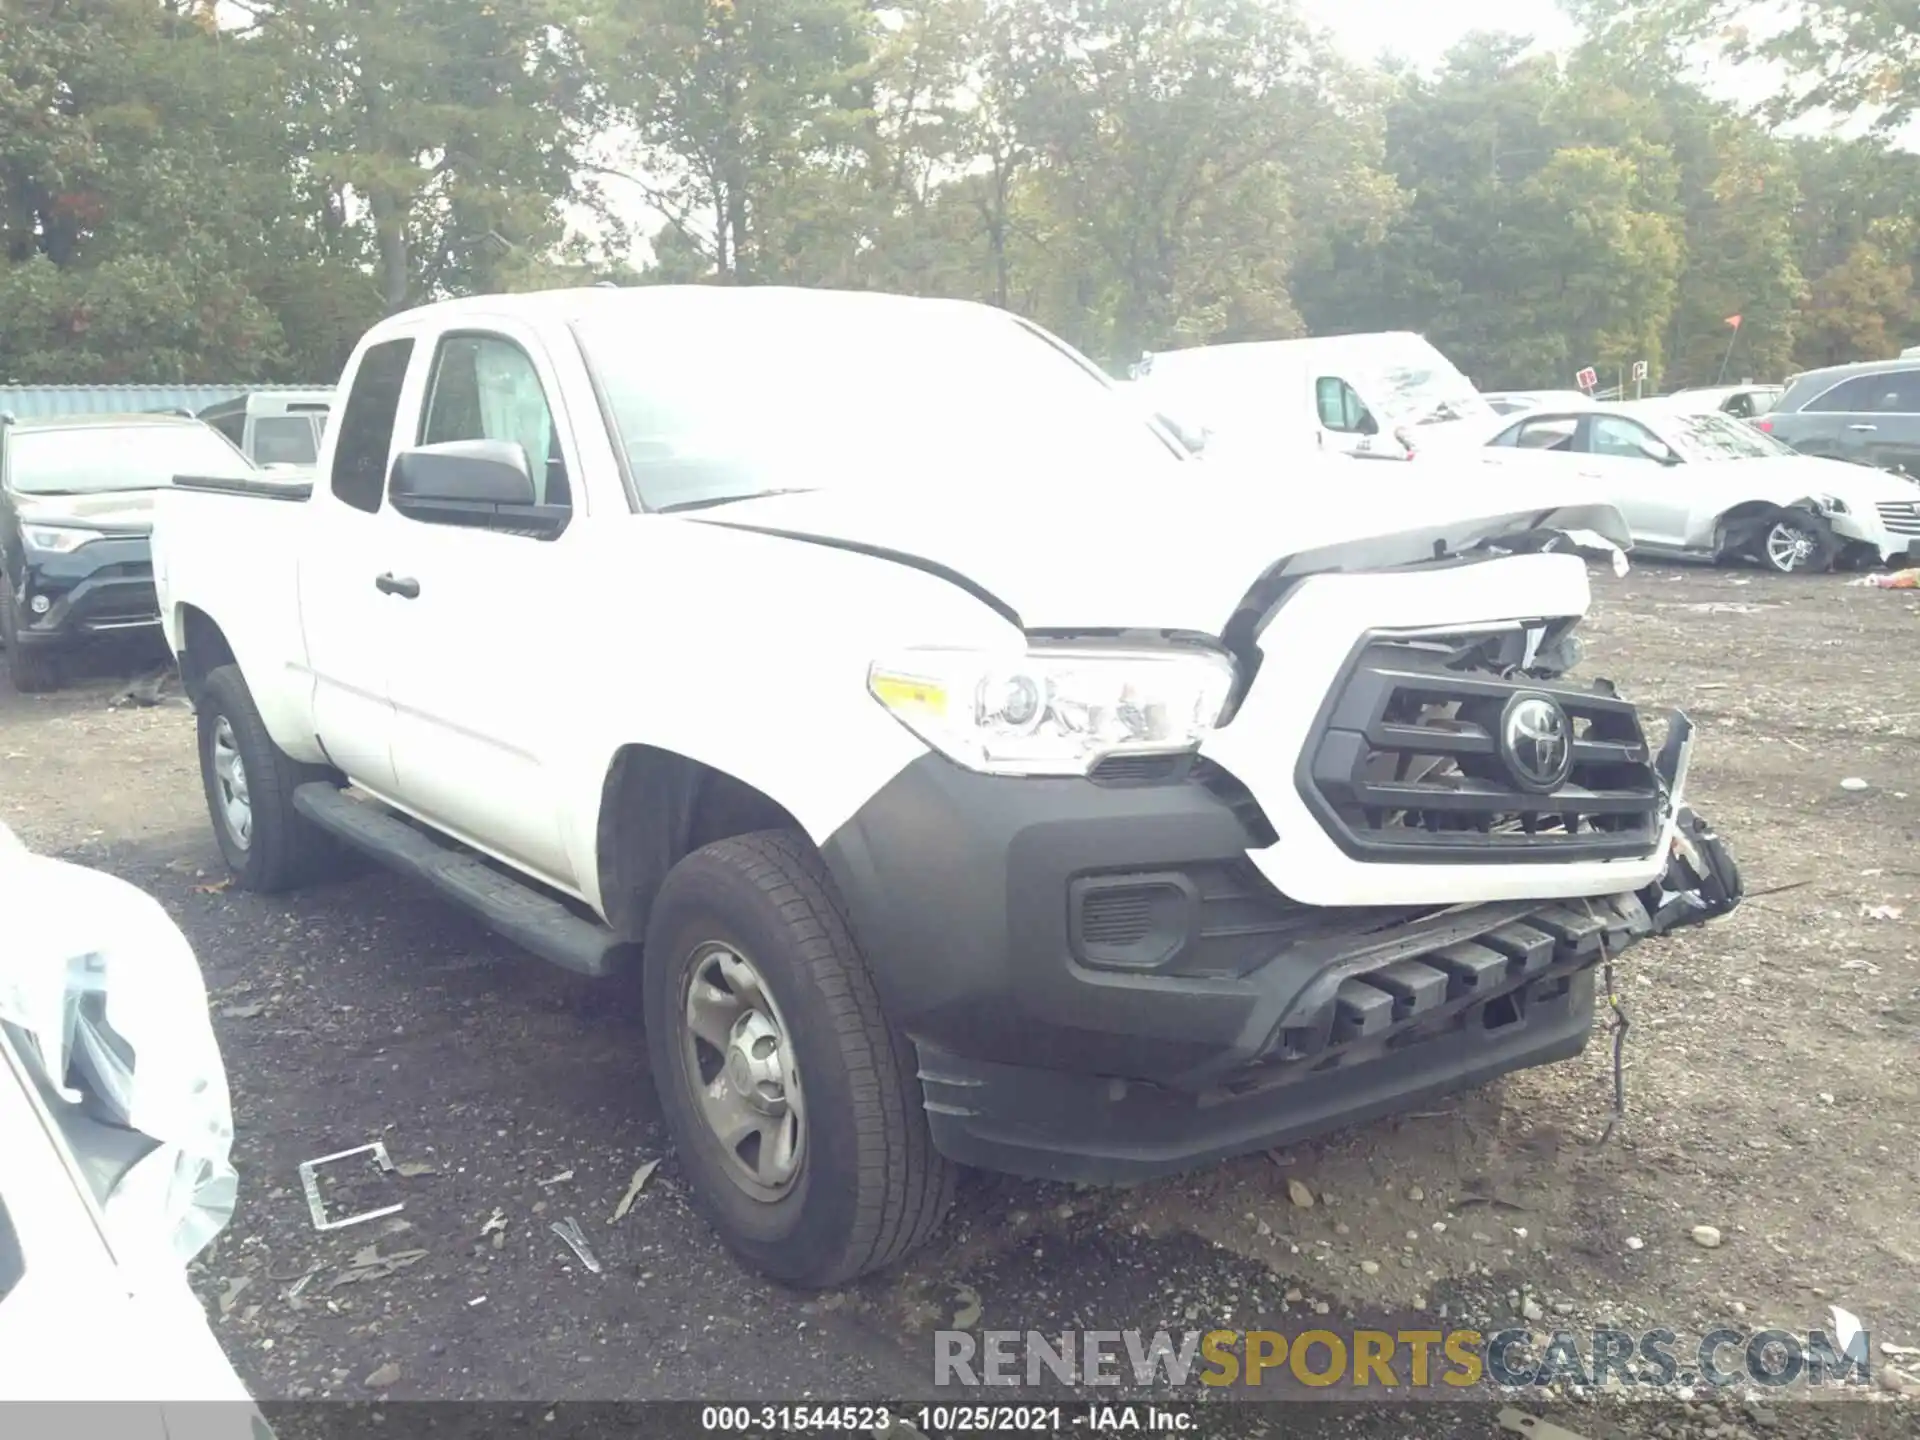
{"points": [[1769, 1083]]}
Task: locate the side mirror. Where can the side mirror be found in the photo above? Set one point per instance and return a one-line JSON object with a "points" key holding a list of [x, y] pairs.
{"points": [[1368, 425], [1659, 450], [480, 484]]}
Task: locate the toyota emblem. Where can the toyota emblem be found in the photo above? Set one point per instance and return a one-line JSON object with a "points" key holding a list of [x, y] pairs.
{"points": [[1536, 742]]}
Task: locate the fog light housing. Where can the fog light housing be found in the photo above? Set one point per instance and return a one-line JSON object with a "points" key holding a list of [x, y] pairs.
{"points": [[40, 604]]}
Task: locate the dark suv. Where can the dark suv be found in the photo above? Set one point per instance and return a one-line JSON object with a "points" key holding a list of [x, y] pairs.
{"points": [[76, 495], [1868, 413]]}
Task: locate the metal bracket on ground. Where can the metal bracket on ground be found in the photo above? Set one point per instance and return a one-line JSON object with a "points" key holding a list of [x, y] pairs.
{"points": [[310, 1185]]}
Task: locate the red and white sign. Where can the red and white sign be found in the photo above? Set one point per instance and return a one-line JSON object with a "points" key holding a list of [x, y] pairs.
{"points": [[1587, 379]]}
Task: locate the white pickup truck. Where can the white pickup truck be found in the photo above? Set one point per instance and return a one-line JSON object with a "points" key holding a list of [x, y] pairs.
{"points": [[972, 778]]}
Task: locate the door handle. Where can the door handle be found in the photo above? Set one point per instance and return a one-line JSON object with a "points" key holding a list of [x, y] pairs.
{"points": [[405, 586], [1863, 427]]}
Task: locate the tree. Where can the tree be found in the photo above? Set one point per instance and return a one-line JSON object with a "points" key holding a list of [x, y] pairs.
{"points": [[1843, 57], [1172, 145], [1539, 235], [737, 105], [456, 127], [1860, 308]]}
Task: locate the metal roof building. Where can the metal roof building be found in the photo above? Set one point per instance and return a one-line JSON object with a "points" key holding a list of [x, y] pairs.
{"points": [[35, 402]]}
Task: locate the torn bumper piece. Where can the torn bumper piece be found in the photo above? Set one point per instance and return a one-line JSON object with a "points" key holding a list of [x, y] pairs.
{"points": [[1702, 879], [1430, 1009]]}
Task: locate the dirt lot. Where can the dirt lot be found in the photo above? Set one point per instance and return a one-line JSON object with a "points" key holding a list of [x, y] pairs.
{"points": [[1771, 1087]]}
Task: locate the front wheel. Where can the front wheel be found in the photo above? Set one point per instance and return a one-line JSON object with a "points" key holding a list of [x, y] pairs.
{"points": [[793, 1104], [249, 781], [1793, 544]]}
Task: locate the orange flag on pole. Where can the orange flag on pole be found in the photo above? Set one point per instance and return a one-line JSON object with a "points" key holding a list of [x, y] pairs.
{"points": [[1734, 321]]}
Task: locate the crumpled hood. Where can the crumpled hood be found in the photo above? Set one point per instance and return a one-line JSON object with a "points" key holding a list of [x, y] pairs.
{"points": [[1179, 549], [127, 512]]}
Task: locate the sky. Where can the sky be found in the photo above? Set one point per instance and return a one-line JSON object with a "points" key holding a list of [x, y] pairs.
{"points": [[1422, 31]]}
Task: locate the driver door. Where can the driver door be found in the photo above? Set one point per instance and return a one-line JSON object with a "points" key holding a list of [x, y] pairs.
{"points": [[476, 671], [1344, 420], [1623, 455]]}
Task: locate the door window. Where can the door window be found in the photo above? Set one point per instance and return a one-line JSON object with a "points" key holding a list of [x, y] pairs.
{"points": [[366, 425], [486, 388], [1551, 432], [1624, 439], [1896, 392], [1341, 408]]}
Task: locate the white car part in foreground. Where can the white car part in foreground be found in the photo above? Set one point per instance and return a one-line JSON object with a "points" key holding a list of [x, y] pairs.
{"points": [[105, 1052]]}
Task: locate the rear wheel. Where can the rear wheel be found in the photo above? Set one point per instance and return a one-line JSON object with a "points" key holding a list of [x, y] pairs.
{"points": [[249, 782], [794, 1105], [32, 672]]}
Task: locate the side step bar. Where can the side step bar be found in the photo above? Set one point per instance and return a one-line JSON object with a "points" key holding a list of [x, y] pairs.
{"points": [[517, 911]]}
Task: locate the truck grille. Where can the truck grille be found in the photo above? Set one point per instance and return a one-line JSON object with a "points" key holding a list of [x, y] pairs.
{"points": [[1408, 763], [1901, 517]]}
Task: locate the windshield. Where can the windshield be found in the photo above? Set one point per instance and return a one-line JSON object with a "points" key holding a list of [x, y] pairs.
{"points": [[97, 459], [724, 402], [1719, 437], [1420, 394]]}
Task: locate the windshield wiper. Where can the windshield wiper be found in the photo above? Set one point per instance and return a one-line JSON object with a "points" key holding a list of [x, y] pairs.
{"points": [[706, 502]]}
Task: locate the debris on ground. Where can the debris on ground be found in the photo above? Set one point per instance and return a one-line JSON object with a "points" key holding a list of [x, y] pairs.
{"points": [[370, 1264], [159, 688], [1897, 580], [1518, 1422], [1854, 783], [1298, 1192], [1707, 1237], [380, 1379], [569, 1231], [1881, 912], [495, 1222], [634, 1187], [967, 1308], [560, 1179], [376, 1153], [232, 1292]]}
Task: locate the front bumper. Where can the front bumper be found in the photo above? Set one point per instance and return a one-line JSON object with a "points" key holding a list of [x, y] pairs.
{"points": [[1102, 987], [102, 588]]}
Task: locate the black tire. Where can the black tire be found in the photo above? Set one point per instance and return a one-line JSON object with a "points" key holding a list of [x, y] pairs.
{"points": [[870, 1187], [32, 672], [283, 849], [1822, 546]]}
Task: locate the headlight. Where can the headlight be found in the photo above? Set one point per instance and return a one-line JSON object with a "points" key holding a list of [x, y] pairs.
{"points": [[58, 539], [1056, 710]]}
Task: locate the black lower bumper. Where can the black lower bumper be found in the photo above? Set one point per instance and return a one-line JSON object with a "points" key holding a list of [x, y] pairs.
{"points": [[1057, 1126], [1102, 986], [101, 589]]}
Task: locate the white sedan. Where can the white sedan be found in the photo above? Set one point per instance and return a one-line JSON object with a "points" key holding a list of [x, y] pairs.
{"points": [[1707, 486]]}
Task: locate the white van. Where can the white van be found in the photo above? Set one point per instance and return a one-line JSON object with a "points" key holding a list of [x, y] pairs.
{"points": [[274, 427], [1384, 395]]}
